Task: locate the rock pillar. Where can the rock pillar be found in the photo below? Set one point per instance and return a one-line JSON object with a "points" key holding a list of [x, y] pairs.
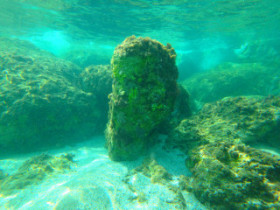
{"points": [[143, 95]]}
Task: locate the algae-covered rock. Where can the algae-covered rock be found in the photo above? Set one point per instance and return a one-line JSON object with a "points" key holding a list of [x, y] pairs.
{"points": [[144, 93], [226, 174], [233, 79], [234, 176], [97, 79], [152, 169], [41, 103], [35, 170], [183, 106], [182, 109], [239, 119]]}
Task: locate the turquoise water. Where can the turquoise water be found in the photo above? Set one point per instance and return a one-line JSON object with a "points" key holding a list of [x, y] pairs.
{"points": [[55, 78]]}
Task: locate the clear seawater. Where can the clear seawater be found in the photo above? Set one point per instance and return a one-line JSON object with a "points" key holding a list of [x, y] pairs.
{"points": [[204, 34]]}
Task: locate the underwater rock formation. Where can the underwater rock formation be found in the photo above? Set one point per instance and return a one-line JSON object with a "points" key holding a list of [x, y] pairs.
{"points": [[97, 79], [182, 108], [226, 174], [41, 103], [233, 79], [35, 170], [143, 96], [234, 176], [249, 120], [264, 51], [153, 170]]}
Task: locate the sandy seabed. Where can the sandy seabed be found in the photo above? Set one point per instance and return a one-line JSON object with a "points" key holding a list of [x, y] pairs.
{"points": [[96, 182]]}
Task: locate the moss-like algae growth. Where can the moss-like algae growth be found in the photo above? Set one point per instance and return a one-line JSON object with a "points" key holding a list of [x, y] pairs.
{"points": [[33, 171], [152, 169], [44, 102], [234, 176], [243, 119], [226, 174], [143, 95]]}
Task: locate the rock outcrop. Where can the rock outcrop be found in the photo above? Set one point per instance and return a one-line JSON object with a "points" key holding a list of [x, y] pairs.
{"points": [[42, 103], [234, 79], [250, 120], [144, 93]]}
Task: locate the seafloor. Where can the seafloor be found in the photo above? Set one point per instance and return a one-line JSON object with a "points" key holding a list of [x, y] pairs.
{"points": [[219, 148], [93, 181]]}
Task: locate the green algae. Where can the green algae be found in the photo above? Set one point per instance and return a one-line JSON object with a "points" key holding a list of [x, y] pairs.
{"points": [[234, 176], [143, 95], [226, 173], [153, 170], [243, 119], [43, 100]]}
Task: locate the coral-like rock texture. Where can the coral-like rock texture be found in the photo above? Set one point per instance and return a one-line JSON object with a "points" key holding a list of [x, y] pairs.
{"points": [[143, 95], [241, 119], [152, 169], [41, 103], [97, 80], [234, 176]]}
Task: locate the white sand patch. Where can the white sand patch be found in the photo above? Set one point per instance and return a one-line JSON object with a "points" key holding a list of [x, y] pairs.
{"points": [[96, 182]]}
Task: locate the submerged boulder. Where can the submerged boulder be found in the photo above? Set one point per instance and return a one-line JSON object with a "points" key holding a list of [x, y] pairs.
{"points": [[143, 96], [251, 120], [41, 101], [234, 176], [234, 79], [97, 80]]}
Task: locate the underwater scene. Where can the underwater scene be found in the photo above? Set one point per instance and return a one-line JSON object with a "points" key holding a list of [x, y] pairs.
{"points": [[139, 104]]}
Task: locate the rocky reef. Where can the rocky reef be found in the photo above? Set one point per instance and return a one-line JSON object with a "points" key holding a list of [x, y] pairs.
{"points": [[234, 176], [143, 95], [97, 80], [249, 120], [42, 100], [234, 79], [227, 173], [33, 171]]}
